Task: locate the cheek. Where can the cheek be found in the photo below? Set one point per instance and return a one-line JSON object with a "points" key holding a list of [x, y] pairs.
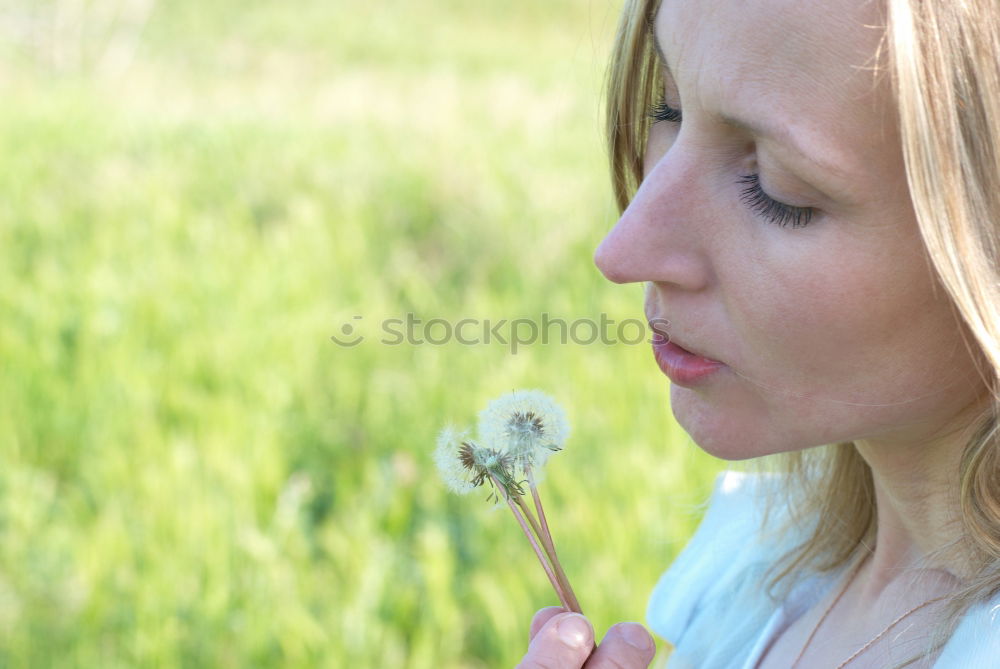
{"points": [[843, 323], [842, 346]]}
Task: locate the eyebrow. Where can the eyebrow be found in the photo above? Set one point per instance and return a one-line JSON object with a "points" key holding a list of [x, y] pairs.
{"points": [[777, 133]]}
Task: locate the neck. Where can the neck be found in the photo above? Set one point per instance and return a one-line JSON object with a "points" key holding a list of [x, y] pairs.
{"points": [[919, 525]]}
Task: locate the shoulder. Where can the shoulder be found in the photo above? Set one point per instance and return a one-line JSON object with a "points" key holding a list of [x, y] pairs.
{"points": [[722, 542], [976, 640], [711, 601]]}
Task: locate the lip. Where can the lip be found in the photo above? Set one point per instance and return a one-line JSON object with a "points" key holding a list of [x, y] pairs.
{"points": [[683, 367]]}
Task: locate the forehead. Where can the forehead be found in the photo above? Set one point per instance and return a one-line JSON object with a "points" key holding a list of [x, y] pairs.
{"points": [[808, 65], [785, 34]]}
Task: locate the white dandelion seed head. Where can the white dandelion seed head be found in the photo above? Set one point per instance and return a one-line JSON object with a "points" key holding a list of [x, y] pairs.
{"points": [[526, 424], [489, 460], [446, 456]]}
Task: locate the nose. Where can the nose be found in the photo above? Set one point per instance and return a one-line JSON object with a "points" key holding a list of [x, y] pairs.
{"points": [[660, 235]]}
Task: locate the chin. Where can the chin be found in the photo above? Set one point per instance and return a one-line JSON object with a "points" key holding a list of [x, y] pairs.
{"points": [[729, 435], [726, 449]]}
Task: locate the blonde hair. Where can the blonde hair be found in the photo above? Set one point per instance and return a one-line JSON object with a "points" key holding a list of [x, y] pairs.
{"points": [[944, 64]]}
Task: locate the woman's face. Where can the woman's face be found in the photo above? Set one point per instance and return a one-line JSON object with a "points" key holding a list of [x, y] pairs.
{"points": [[830, 331]]}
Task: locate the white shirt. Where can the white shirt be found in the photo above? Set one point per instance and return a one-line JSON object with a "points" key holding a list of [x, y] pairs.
{"points": [[711, 605]]}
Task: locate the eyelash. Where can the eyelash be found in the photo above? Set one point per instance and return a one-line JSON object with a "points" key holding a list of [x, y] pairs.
{"points": [[661, 111], [779, 213], [782, 215]]}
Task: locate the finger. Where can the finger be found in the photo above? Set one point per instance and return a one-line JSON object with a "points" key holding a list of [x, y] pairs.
{"points": [[625, 646], [541, 617], [564, 642]]}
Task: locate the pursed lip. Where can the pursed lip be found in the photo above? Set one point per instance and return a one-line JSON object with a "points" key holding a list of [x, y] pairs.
{"points": [[657, 325]]}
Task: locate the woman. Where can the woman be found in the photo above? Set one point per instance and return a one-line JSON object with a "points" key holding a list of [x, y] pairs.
{"points": [[811, 192]]}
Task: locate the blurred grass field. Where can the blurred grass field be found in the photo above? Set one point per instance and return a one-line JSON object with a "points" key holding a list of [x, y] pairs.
{"points": [[196, 197]]}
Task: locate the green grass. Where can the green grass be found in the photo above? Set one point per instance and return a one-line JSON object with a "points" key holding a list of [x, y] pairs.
{"points": [[191, 472]]}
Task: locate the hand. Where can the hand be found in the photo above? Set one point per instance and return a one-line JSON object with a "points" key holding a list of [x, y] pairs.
{"points": [[563, 640]]}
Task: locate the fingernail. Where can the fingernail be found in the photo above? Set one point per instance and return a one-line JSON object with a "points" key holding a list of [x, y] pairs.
{"points": [[574, 630], [636, 636]]}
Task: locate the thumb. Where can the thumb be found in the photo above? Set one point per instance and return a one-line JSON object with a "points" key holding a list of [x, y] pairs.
{"points": [[564, 642]]}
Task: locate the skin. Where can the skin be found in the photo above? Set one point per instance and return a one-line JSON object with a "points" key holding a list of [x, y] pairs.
{"points": [[560, 639], [837, 331]]}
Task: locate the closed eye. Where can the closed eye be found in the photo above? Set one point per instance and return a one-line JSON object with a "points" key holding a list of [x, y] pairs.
{"points": [[661, 111], [779, 213]]}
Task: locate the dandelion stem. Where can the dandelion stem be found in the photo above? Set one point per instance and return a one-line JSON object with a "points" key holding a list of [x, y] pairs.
{"points": [[550, 546], [550, 551], [534, 523], [556, 585]]}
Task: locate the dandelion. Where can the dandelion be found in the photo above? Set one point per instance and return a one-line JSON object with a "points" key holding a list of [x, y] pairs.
{"points": [[451, 468], [518, 433], [527, 424], [465, 466]]}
